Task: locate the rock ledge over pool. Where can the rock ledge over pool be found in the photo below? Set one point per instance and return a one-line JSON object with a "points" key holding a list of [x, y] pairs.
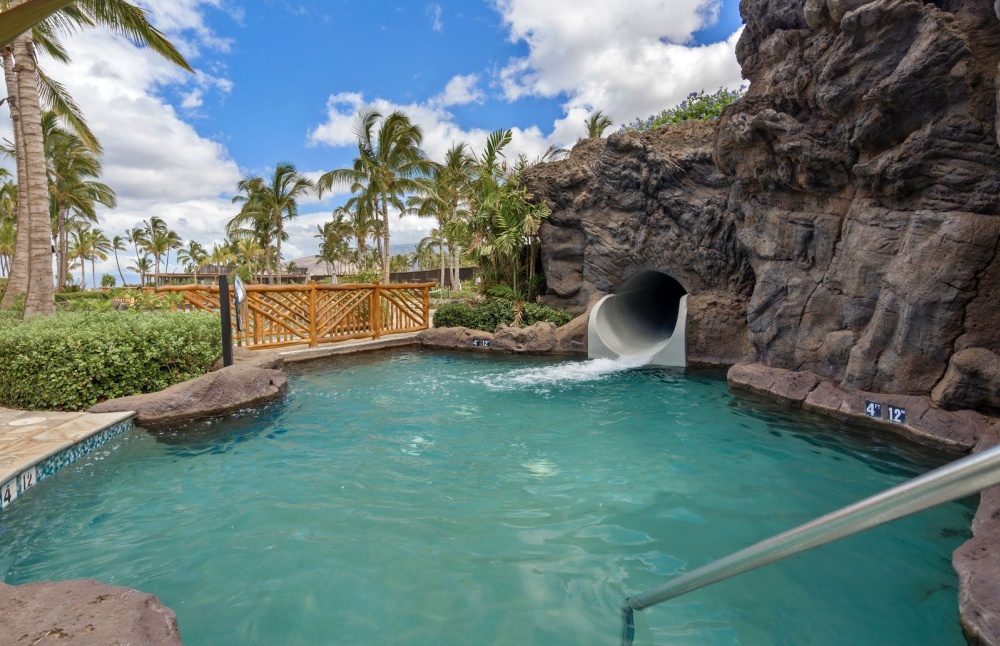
{"points": [[85, 613], [255, 378]]}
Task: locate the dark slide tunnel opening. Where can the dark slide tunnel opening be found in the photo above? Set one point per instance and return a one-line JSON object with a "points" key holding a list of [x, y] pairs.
{"points": [[642, 314]]}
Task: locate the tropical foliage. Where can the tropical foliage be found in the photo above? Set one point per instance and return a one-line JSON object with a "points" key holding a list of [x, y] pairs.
{"points": [[697, 105], [487, 316], [29, 89], [389, 165], [90, 357], [265, 206]]}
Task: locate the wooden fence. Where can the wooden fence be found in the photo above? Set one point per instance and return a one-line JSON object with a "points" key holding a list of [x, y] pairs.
{"points": [[284, 315]]}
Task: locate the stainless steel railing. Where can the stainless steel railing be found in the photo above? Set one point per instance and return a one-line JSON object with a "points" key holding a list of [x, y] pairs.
{"points": [[953, 481]]}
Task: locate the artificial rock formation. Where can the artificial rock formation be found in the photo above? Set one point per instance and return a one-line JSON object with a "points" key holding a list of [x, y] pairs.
{"points": [[540, 338], [850, 199], [242, 385], [84, 613]]}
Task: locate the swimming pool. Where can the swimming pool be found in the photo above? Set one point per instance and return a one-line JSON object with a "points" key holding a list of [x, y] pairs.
{"points": [[423, 498]]}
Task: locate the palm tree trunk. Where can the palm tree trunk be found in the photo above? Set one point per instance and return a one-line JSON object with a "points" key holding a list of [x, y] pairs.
{"points": [[40, 300], [277, 260], [456, 281], [17, 281], [385, 241], [441, 249], [83, 273], [63, 249], [93, 272], [120, 274]]}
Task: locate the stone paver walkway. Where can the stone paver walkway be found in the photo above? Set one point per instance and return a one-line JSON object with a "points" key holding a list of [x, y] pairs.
{"points": [[29, 437]]}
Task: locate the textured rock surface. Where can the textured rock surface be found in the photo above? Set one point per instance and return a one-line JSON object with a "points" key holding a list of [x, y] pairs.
{"points": [[633, 202], [852, 201], [267, 359], [216, 393], [972, 381], [540, 338], [977, 563], [84, 613]]}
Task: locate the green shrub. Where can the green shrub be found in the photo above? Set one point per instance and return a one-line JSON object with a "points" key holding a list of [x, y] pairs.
{"points": [[487, 316], [9, 318], [698, 105], [107, 280], [72, 360], [63, 297]]}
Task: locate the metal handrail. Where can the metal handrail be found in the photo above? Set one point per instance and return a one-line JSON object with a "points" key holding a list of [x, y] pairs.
{"points": [[953, 481]]}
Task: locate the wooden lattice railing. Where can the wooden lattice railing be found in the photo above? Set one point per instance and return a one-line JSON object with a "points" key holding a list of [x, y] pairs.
{"points": [[284, 315]]}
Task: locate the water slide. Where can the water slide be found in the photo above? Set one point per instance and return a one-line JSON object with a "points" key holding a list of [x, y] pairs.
{"points": [[643, 322]]}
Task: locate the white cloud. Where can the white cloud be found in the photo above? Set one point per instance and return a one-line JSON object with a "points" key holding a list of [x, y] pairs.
{"points": [[441, 129], [460, 90], [155, 161], [629, 59], [434, 12]]}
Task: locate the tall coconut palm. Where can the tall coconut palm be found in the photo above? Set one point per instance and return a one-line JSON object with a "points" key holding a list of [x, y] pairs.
{"points": [[23, 84], [79, 250], [118, 244], [99, 248], [266, 205], [143, 265], [387, 168], [333, 237], [74, 193], [193, 255], [444, 197]]}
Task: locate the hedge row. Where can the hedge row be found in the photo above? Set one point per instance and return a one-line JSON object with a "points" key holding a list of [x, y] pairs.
{"points": [[487, 316], [72, 360]]}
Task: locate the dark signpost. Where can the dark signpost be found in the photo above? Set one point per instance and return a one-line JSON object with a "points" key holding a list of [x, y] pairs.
{"points": [[227, 325]]}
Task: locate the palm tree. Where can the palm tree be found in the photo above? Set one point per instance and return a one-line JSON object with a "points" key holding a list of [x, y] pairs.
{"points": [[99, 248], [220, 256], [8, 222], [79, 250], [29, 13], [118, 244], [388, 167], [444, 196], [596, 124], [424, 255], [266, 206], [173, 242], [157, 240], [74, 196], [142, 266], [193, 256], [333, 237], [24, 85], [503, 219]]}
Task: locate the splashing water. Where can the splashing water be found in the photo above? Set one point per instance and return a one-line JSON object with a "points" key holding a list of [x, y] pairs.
{"points": [[568, 372]]}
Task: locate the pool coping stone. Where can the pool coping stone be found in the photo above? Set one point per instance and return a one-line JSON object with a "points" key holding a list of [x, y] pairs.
{"points": [[36, 444]]}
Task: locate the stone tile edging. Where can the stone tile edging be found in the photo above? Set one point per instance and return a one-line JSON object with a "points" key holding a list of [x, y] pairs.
{"points": [[43, 466]]}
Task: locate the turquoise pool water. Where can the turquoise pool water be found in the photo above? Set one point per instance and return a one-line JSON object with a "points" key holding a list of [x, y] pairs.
{"points": [[420, 498]]}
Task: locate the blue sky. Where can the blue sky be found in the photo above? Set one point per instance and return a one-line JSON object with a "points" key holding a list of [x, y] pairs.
{"points": [[280, 80]]}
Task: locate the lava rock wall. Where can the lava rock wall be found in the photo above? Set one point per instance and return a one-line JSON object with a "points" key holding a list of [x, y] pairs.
{"points": [[849, 204]]}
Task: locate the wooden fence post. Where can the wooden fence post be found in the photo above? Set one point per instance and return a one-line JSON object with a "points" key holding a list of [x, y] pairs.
{"points": [[313, 340], [427, 307], [376, 311]]}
